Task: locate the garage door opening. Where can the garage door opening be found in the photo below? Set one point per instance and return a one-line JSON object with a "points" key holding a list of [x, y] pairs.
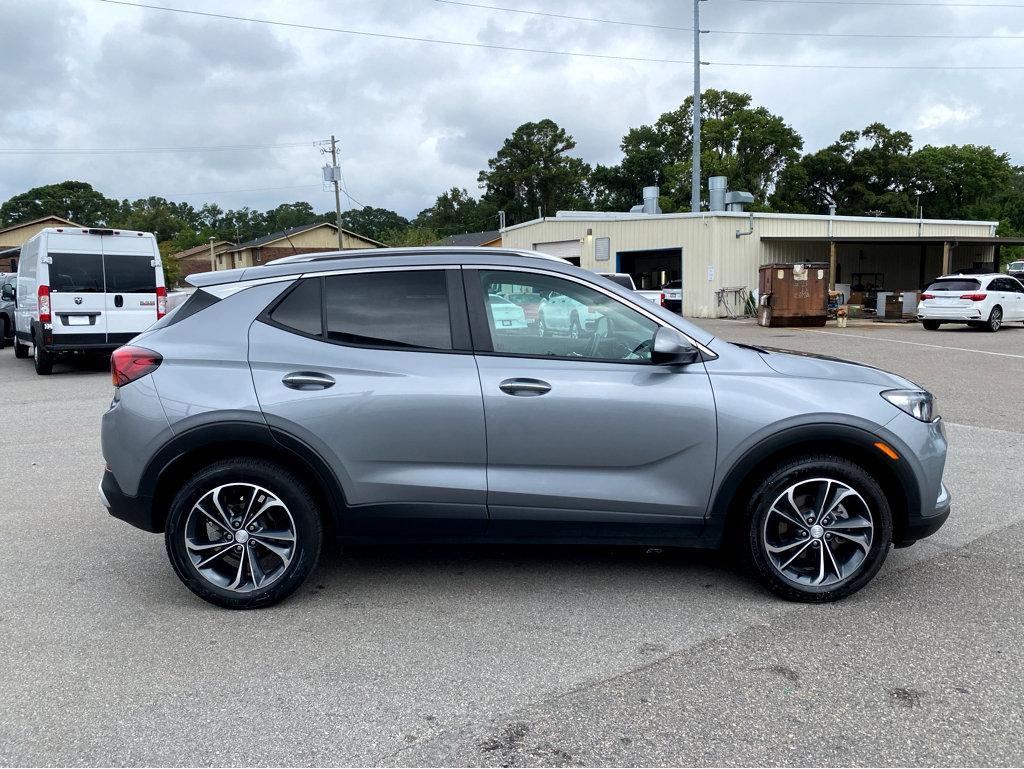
{"points": [[651, 269], [570, 250]]}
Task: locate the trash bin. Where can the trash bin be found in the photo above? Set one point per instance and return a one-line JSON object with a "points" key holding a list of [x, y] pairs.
{"points": [[793, 294]]}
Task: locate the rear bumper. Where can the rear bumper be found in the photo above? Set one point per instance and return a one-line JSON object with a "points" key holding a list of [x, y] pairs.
{"points": [[951, 314], [673, 305], [138, 511]]}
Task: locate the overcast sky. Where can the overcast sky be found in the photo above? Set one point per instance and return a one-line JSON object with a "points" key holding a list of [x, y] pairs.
{"points": [[416, 118]]}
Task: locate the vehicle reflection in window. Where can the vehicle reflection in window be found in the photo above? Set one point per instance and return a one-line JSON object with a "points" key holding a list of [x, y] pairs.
{"points": [[533, 314]]}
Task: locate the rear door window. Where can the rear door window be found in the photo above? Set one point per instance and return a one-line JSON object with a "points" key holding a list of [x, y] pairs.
{"points": [[76, 273], [389, 309], [130, 274], [954, 285], [300, 310]]}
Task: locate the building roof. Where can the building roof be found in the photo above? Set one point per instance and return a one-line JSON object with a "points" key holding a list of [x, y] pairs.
{"points": [[284, 234], [200, 249], [40, 220], [994, 240], [471, 238]]}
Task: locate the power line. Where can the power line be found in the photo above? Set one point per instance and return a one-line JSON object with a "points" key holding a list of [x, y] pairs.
{"points": [[641, 59], [228, 192], [624, 23], [141, 150], [888, 4]]}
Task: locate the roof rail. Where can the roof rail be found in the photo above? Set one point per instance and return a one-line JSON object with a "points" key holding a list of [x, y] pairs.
{"points": [[412, 251]]}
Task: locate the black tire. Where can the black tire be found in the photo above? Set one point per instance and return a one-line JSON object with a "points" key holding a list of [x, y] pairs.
{"points": [[300, 505], [42, 359], [930, 325], [793, 473], [20, 350], [995, 319], [3, 333]]}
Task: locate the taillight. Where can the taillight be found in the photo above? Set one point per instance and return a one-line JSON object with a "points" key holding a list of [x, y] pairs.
{"points": [[662, 300], [44, 305], [161, 302], [974, 297], [130, 363], [927, 296]]}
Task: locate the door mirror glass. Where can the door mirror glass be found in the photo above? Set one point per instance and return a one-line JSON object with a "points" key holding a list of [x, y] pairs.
{"points": [[7, 292], [672, 349]]}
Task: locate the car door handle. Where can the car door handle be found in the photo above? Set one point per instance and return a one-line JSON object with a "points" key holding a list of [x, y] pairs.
{"points": [[307, 380], [524, 387]]}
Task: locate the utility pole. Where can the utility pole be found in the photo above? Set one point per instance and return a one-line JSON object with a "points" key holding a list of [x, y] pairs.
{"points": [[695, 180], [337, 191]]}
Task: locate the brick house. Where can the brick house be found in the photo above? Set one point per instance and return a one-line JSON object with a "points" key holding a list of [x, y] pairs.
{"points": [[306, 239]]}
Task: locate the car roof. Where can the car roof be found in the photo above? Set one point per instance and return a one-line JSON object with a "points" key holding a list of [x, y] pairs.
{"points": [[328, 261]]}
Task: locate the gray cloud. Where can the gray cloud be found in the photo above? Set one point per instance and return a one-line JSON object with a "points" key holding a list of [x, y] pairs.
{"points": [[415, 119]]}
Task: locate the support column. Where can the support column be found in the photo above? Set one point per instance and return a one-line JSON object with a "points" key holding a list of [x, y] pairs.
{"points": [[832, 265], [921, 268], [997, 261], [947, 261]]}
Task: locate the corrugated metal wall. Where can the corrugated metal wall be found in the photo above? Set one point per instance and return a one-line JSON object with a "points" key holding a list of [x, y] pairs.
{"points": [[710, 241]]}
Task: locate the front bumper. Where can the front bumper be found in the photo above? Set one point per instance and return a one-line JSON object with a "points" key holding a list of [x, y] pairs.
{"points": [[138, 511], [926, 525]]}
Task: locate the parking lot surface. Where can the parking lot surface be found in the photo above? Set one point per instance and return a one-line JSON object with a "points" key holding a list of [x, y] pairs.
{"points": [[512, 656]]}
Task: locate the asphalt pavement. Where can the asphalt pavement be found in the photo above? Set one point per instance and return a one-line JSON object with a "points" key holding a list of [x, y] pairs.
{"points": [[516, 656]]}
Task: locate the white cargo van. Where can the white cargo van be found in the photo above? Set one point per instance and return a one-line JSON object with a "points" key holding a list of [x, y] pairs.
{"points": [[85, 290]]}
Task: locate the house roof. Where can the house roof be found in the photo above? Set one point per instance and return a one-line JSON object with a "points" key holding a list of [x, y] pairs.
{"points": [[49, 218], [470, 238], [284, 234], [198, 250]]}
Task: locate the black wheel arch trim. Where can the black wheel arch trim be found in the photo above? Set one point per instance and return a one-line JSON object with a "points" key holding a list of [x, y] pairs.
{"points": [[818, 434], [210, 435]]}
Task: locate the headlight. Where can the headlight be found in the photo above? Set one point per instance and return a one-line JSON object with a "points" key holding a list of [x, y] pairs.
{"points": [[918, 403]]}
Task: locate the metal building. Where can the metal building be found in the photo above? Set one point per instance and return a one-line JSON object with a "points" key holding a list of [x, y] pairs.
{"points": [[723, 249]]}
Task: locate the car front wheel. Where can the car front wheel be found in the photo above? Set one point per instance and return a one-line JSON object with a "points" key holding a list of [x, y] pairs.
{"points": [[243, 533], [817, 528]]}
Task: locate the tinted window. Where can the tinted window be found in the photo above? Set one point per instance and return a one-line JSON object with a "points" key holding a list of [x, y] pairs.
{"points": [[130, 273], [300, 309], [623, 280], [673, 284], [954, 284], [76, 273], [571, 320], [198, 302], [392, 309]]}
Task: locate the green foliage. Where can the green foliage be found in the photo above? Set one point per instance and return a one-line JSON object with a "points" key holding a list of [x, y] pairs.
{"points": [[456, 211], [372, 222], [172, 270], [411, 236], [76, 201], [532, 171]]}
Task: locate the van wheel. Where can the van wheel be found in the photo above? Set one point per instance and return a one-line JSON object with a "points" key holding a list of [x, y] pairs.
{"points": [[930, 325], [817, 528], [995, 319], [20, 350], [243, 533], [43, 360], [3, 333]]}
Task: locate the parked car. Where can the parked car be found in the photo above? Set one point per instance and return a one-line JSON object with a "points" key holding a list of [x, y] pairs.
{"points": [[85, 290], [981, 301], [1016, 270], [366, 396], [505, 314], [625, 280], [562, 314], [6, 308], [530, 304], [672, 296]]}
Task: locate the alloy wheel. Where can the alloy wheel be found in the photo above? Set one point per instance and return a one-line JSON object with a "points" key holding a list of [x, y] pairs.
{"points": [[995, 320], [240, 537], [818, 532]]}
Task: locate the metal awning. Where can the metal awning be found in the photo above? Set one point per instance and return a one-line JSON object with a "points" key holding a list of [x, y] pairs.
{"points": [[906, 240]]}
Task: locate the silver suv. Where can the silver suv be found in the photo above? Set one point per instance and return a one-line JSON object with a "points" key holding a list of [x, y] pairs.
{"points": [[373, 396]]}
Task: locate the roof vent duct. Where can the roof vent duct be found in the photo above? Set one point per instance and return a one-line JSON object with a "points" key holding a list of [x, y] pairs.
{"points": [[717, 185], [650, 204], [738, 201]]}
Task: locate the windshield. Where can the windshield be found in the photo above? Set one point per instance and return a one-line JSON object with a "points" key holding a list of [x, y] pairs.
{"points": [[954, 284], [1015, 267]]}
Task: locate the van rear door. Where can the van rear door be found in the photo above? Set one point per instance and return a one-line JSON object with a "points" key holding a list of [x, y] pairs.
{"points": [[77, 302], [132, 275]]}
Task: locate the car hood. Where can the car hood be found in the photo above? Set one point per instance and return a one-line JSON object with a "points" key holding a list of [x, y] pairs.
{"points": [[811, 366]]}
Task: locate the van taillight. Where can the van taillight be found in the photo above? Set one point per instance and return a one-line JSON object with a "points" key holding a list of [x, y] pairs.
{"points": [[161, 302], [662, 300], [44, 305], [130, 363]]}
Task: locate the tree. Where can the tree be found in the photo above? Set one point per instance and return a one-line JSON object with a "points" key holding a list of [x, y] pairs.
{"points": [[411, 236], [77, 201], [532, 171], [373, 222], [964, 182], [456, 211], [750, 145]]}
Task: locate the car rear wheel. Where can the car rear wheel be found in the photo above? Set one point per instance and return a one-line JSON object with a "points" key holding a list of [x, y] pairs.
{"points": [[20, 350], [930, 325], [243, 533], [42, 359], [575, 330], [817, 528], [995, 319]]}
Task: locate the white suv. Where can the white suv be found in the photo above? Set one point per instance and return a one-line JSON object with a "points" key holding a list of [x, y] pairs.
{"points": [[982, 301]]}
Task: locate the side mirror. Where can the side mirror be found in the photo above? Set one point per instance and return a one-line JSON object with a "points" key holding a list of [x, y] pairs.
{"points": [[672, 349], [7, 292]]}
